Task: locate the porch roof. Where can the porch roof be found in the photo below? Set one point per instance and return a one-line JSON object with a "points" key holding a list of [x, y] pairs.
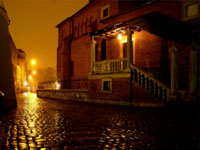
{"points": [[155, 23]]}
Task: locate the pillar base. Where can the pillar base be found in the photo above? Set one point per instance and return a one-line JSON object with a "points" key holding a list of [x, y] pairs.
{"points": [[191, 99], [173, 98]]}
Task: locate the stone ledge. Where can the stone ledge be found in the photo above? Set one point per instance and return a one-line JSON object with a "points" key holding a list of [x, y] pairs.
{"points": [[63, 94], [155, 105], [82, 96], [111, 102], [64, 90]]}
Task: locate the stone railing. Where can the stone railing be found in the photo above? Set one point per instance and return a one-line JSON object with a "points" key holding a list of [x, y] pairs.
{"points": [[49, 85], [150, 83], [67, 94], [108, 66]]}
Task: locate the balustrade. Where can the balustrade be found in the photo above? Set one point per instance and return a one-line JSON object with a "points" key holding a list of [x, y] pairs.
{"points": [[108, 66], [147, 81]]}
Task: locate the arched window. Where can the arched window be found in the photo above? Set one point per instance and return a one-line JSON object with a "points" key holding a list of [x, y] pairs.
{"points": [[86, 26], [83, 27], [91, 19], [75, 32], [90, 23], [78, 30]]}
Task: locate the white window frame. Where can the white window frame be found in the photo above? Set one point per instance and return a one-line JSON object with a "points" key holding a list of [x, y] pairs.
{"points": [[102, 85], [102, 9], [186, 4]]}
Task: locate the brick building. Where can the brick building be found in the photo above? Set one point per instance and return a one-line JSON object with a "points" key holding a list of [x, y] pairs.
{"points": [[18, 58], [131, 50], [6, 75]]}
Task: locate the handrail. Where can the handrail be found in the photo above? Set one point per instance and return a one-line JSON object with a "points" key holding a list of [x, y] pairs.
{"points": [[112, 60], [149, 75], [150, 83], [49, 85], [107, 66]]}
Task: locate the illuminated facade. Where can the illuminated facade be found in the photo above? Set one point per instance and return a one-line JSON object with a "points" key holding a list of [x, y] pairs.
{"points": [[19, 67], [131, 50]]}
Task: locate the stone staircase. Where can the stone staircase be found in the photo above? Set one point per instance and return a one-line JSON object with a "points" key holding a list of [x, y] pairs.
{"points": [[154, 90]]}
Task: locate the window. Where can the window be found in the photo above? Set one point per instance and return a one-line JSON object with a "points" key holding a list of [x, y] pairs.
{"points": [[105, 12], [191, 10], [107, 85]]}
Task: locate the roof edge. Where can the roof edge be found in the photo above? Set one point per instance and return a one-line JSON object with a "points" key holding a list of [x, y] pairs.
{"points": [[57, 26]]}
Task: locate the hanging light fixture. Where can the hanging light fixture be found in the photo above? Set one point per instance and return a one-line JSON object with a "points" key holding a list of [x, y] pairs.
{"points": [[119, 36]]}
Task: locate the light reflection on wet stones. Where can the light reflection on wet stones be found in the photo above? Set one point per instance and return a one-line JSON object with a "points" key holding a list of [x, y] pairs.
{"points": [[51, 124]]}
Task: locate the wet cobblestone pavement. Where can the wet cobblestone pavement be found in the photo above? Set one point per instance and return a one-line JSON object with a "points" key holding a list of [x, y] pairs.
{"points": [[56, 125]]}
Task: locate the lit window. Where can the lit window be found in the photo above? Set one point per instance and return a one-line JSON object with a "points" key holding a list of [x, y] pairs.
{"points": [[105, 12], [191, 10], [107, 85]]}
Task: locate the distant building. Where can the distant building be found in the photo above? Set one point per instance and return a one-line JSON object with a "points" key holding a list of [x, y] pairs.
{"points": [[19, 67], [131, 50], [21, 71]]}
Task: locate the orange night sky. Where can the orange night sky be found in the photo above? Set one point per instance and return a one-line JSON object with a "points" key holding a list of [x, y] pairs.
{"points": [[33, 24]]}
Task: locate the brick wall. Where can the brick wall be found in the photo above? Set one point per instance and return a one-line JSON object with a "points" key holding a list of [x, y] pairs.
{"points": [[85, 18], [112, 49], [148, 47], [120, 90], [151, 51], [63, 54], [80, 56], [169, 8]]}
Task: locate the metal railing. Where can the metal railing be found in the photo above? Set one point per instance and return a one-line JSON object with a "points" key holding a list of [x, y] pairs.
{"points": [[108, 66]]}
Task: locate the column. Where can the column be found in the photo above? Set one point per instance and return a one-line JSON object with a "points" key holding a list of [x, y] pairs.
{"points": [[92, 54], [129, 48], [193, 74], [129, 61], [174, 70]]}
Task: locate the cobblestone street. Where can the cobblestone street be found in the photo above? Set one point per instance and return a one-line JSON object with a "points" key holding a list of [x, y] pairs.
{"points": [[55, 124]]}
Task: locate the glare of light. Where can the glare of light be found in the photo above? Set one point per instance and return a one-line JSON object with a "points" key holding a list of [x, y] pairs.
{"points": [[57, 86], [119, 36], [30, 77], [33, 62], [2, 93], [25, 93], [25, 83], [34, 72]]}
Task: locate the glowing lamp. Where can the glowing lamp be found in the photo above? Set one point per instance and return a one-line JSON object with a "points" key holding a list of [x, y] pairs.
{"points": [[30, 77], [57, 85], [34, 72], [33, 62], [119, 36], [25, 83]]}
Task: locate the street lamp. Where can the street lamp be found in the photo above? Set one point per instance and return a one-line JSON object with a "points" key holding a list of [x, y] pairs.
{"points": [[33, 62], [30, 77], [25, 83], [34, 72]]}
